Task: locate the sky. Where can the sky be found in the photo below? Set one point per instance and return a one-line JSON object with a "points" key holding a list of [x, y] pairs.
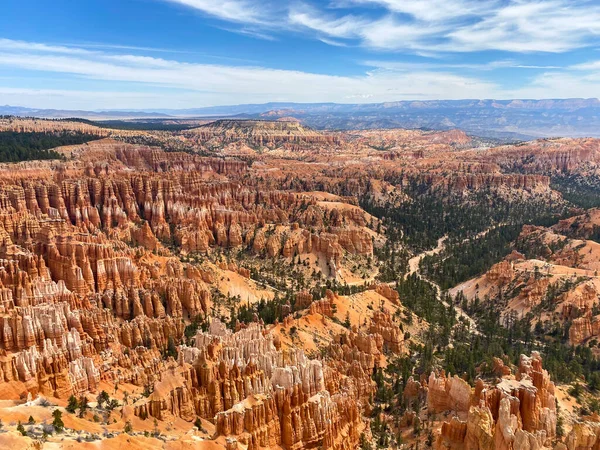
{"points": [[158, 54]]}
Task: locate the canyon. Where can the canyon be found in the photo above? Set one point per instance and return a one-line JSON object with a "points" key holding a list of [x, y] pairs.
{"points": [[237, 294]]}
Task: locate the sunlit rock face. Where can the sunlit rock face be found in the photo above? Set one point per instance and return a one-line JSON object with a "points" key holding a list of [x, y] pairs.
{"points": [[518, 412], [109, 258]]}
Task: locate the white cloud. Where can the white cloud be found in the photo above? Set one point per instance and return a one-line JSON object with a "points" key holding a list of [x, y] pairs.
{"points": [[548, 26], [434, 10], [433, 26], [389, 33], [332, 42], [492, 65], [207, 84], [590, 65], [12, 45], [150, 82], [559, 85], [343, 27], [240, 11], [383, 33]]}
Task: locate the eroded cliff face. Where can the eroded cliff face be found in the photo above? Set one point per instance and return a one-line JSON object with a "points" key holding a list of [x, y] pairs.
{"points": [[70, 296], [558, 280], [259, 395], [109, 258], [94, 292], [548, 155], [24, 125], [585, 434], [517, 413]]}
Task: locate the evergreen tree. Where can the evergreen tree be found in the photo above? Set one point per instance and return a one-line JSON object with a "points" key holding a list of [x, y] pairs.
{"points": [[57, 421], [72, 405]]}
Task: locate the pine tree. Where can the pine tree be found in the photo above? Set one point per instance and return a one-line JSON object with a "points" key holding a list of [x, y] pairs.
{"points": [[83, 406], [57, 423], [72, 405], [102, 398]]}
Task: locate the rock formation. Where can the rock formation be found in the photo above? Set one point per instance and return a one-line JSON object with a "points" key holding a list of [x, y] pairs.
{"points": [[517, 413]]}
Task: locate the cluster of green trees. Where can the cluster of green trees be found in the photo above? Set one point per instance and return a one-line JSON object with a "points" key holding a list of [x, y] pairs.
{"points": [[16, 147], [512, 336], [393, 255], [461, 261], [270, 311], [137, 125], [480, 228], [267, 310], [577, 189], [430, 214], [421, 297]]}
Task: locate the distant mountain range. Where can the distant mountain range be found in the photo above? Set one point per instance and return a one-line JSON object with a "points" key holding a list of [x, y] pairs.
{"points": [[519, 119], [21, 111]]}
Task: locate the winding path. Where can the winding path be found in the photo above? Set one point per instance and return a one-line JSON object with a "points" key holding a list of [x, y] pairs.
{"points": [[415, 261], [414, 268]]}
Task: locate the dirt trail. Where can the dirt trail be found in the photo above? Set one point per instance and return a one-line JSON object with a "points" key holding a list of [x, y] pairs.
{"points": [[415, 261], [414, 268]]}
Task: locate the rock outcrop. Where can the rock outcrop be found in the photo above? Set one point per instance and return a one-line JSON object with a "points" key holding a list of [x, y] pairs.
{"points": [[258, 394], [517, 413]]}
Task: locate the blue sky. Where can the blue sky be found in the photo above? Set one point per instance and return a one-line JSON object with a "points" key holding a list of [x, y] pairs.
{"points": [[119, 54]]}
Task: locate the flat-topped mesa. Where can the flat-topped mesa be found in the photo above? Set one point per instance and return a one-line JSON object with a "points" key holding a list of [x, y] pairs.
{"points": [[519, 412], [261, 133], [547, 155]]}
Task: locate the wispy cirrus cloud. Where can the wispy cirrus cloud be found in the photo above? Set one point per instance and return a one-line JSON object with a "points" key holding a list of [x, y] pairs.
{"points": [[432, 10], [488, 66], [218, 84], [239, 11], [435, 26], [525, 26], [151, 82]]}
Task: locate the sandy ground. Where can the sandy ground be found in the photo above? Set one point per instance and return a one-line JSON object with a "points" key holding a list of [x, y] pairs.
{"points": [[233, 284], [316, 331]]}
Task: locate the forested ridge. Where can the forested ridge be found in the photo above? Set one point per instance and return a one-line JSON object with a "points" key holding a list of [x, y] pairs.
{"points": [[481, 228], [429, 215], [15, 147]]}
